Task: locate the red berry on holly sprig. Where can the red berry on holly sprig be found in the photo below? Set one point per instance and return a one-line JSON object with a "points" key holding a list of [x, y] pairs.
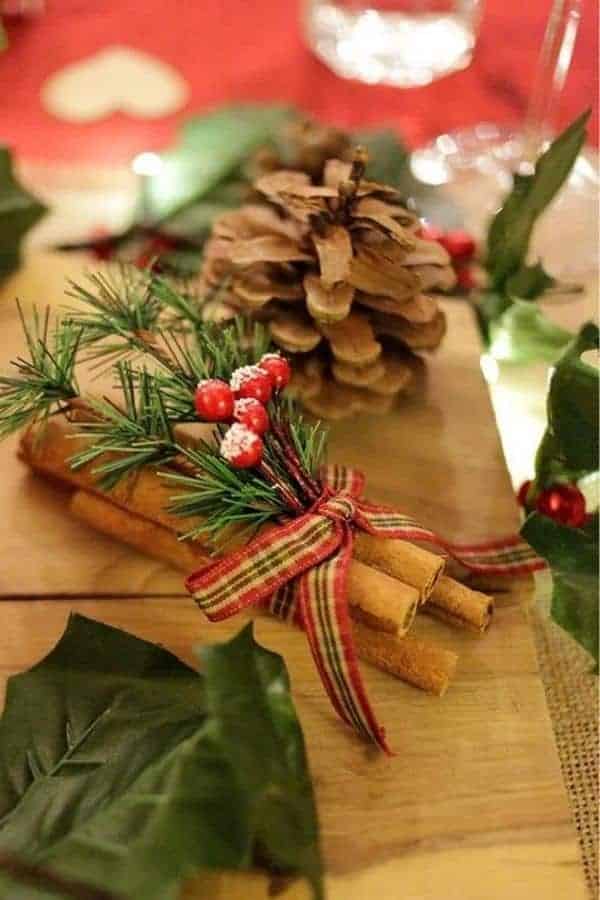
{"points": [[523, 493], [252, 414], [214, 400], [564, 503], [465, 278], [277, 368], [251, 381], [241, 447], [459, 244]]}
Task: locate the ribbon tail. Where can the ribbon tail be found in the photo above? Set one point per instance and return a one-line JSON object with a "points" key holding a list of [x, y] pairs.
{"points": [[506, 556], [323, 609]]}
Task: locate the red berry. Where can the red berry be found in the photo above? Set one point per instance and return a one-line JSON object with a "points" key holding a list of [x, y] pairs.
{"points": [[564, 503], [214, 400], [523, 492], [250, 381], [459, 244], [430, 232], [241, 447], [278, 368], [464, 278], [252, 414]]}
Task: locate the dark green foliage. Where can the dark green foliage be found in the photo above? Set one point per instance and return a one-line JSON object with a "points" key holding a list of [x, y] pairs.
{"points": [[123, 769], [19, 210], [568, 451]]}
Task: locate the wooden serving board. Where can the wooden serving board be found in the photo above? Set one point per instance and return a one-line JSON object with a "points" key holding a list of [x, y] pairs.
{"points": [[472, 807]]}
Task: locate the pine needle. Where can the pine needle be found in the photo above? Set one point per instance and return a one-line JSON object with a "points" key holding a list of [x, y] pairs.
{"points": [[46, 378]]}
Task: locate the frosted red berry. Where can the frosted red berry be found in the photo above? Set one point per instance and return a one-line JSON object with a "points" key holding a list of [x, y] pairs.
{"points": [[277, 368], [564, 503], [459, 244], [251, 381], [214, 400], [252, 414], [241, 447], [523, 492]]}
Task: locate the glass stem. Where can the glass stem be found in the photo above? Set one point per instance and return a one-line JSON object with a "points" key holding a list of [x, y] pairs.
{"points": [[552, 67]]}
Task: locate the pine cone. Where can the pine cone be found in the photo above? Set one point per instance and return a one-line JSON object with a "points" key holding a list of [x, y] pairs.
{"points": [[304, 145], [339, 273]]}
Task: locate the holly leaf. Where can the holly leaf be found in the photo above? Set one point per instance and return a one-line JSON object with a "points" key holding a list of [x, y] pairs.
{"points": [[573, 403], [522, 333], [572, 554], [510, 231], [118, 768], [19, 210], [529, 282], [210, 149]]}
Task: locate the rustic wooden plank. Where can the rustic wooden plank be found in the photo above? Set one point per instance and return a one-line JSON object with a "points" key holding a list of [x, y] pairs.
{"points": [[473, 804]]}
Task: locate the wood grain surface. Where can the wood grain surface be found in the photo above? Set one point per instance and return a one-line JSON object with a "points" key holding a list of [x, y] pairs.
{"points": [[472, 807]]}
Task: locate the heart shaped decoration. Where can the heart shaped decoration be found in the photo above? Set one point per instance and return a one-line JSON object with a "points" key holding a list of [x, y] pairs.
{"points": [[116, 79]]}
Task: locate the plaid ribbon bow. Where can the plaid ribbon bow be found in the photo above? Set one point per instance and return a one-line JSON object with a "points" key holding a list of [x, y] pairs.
{"points": [[298, 570]]}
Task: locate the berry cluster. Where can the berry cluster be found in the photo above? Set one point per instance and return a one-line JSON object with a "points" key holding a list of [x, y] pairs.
{"points": [[243, 401], [562, 502], [461, 248]]}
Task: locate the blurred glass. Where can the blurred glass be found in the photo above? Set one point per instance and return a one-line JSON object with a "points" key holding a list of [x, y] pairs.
{"points": [[405, 43]]}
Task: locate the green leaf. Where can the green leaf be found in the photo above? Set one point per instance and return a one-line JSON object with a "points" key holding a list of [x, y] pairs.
{"points": [[210, 149], [3, 38], [19, 210], [572, 554], [121, 767], [248, 694], [523, 333], [510, 230], [388, 157], [573, 403], [529, 282]]}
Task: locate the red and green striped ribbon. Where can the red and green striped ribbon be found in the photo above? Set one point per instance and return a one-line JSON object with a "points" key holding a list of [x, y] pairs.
{"points": [[299, 571]]}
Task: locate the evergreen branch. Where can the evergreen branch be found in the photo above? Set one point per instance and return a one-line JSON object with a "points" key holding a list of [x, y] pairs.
{"points": [[45, 379], [137, 435], [119, 304], [222, 496]]}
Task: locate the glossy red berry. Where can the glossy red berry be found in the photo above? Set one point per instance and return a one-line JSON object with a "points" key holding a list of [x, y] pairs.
{"points": [[251, 381], [277, 368], [430, 232], [523, 492], [252, 414], [459, 244], [214, 400], [241, 447], [564, 503]]}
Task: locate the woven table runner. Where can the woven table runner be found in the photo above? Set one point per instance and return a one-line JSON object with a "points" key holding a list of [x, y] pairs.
{"points": [[572, 697]]}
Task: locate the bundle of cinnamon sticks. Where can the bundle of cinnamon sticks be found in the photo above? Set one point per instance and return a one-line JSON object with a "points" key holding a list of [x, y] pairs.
{"points": [[389, 581]]}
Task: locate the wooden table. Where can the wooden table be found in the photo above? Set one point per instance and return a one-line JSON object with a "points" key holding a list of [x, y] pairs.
{"points": [[472, 807]]}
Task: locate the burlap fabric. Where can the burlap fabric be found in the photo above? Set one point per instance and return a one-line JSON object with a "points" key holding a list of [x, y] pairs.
{"points": [[572, 696]]}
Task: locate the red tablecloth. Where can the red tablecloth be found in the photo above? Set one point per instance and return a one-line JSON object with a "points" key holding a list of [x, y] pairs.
{"points": [[253, 50]]}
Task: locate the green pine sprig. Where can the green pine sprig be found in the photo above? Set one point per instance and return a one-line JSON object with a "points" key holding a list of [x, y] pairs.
{"points": [[135, 434], [46, 378]]}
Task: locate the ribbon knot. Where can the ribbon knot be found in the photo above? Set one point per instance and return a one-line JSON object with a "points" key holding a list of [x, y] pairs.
{"points": [[337, 507], [299, 569]]}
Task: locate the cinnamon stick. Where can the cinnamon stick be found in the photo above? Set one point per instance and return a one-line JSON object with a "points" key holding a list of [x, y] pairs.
{"points": [[377, 599], [389, 603], [459, 605], [150, 538], [423, 664], [400, 559]]}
